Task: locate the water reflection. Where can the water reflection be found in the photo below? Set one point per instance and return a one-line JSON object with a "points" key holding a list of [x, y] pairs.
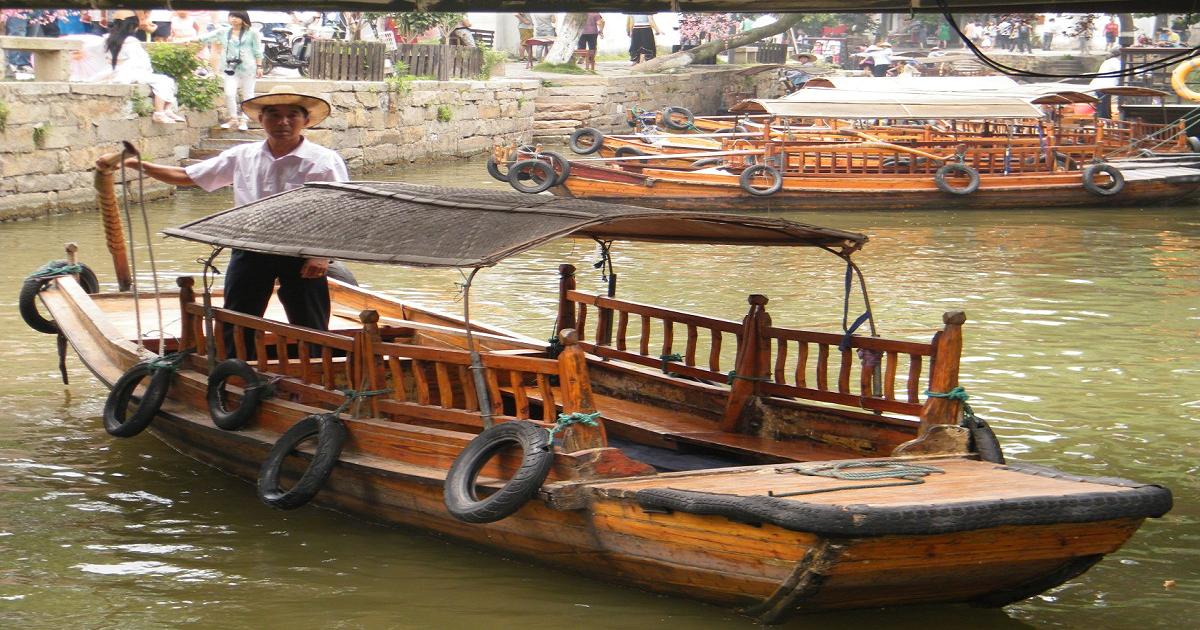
{"points": [[1080, 349]]}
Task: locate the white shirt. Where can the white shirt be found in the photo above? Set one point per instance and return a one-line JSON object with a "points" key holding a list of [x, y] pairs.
{"points": [[1112, 64], [256, 174], [882, 57]]}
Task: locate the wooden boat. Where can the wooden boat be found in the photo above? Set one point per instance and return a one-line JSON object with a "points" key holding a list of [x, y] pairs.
{"points": [[735, 486]]}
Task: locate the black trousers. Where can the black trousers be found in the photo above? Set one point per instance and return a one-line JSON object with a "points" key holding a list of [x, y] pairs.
{"points": [[641, 42], [587, 42], [250, 280]]}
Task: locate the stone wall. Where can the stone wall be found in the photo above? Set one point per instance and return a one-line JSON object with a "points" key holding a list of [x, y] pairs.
{"points": [[50, 171], [568, 103], [373, 124]]}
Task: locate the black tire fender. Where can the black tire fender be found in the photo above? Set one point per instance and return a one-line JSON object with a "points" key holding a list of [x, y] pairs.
{"points": [[27, 301], [985, 442], [736, 129], [494, 170], [943, 185], [748, 175], [340, 272], [594, 135], [541, 176], [459, 494], [1089, 180], [116, 406], [561, 165], [668, 119], [707, 162], [331, 437], [1193, 144], [254, 390], [629, 152]]}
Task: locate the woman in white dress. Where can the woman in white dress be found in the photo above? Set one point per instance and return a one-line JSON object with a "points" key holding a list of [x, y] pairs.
{"points": [[127, 62]]}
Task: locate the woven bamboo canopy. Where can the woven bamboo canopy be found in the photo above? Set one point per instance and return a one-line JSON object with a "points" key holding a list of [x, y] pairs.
{"points": [[636, 6], [432, 226]]}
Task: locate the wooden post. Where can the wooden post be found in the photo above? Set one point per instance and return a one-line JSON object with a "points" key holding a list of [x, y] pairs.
{"points": [[566, 310], [114, 232], [753, 362], [943, 373], [370, 375], [577, 395], [187, 335], [72, 250], [604, 318]]}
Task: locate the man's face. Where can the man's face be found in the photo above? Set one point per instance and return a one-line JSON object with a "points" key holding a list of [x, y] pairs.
{"points": [[283, 122]]}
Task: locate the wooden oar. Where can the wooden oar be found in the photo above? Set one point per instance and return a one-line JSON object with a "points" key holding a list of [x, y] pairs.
{"points": [[106, 198]]}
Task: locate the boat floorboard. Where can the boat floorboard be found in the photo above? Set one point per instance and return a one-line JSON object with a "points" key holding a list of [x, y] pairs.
{"points": [[959, 480]]}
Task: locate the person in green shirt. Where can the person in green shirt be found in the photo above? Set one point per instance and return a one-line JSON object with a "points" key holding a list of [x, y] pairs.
{"points": [[239, 63]]}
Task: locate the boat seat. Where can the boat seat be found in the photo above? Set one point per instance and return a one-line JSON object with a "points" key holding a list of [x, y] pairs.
{"points": [[682, 431]]}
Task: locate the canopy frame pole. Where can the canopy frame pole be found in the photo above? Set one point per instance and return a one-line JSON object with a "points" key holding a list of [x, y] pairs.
{"points": [[481, 389], [207, 279]]}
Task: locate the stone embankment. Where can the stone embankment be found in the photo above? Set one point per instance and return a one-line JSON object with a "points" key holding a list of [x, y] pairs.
{"points": [[53, 132]]}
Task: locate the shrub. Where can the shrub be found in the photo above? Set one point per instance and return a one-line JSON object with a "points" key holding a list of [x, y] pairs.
{"points": [[445, 114], [3, 116], [40, 132], [491, 59], [179, 62], [140, 105]]}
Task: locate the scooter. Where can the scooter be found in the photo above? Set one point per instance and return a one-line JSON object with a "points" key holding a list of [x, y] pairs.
{"points": [[285, 48]]}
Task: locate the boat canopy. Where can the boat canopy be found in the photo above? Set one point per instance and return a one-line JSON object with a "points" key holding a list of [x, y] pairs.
{"points": [[433, 226], [939, 85], [848, 104]]}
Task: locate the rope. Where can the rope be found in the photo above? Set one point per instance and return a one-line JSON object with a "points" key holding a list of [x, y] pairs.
{"points": [[567, 419], [354, 395], [169, 361], [958, 394], [844, 345], [667, 358], [909, 474], [733, 375], [51, 270], [137, 308]]}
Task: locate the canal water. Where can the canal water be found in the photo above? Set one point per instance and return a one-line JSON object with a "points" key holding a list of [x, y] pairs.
{"points": [[1081, 350]]}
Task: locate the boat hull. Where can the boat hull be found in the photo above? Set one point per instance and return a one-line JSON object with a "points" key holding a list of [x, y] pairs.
{"points": [[608, 526]]}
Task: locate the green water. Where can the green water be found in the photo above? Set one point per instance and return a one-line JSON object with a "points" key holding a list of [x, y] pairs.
{"points": [[1081, 349]]}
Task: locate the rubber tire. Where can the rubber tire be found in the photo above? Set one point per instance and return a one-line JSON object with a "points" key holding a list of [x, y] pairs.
{"points": [[340, 272], [939, 178], [737, 129], [1193, 144], [1089, 180], [459, 493], [596, 135], [267, 65], [255, 391], [27, 301], [303, 68], [707, 162], [331, 437], [629, 152], [117, 403], [749, 173], [549, 176], [561, 165], [985, 443], [494, 170], [669, 122]]}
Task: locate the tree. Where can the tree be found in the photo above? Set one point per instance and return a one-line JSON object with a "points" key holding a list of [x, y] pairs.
{"points": [[685, 58], [566, 39]]}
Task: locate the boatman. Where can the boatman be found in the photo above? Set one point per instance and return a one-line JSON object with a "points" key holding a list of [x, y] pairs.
{"points": [[285, 160]]}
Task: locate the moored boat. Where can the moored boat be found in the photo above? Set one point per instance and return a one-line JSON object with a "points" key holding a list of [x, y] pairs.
{"points": [[809, 472]]}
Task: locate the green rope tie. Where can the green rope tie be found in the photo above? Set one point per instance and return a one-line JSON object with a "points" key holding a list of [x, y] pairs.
{"points": [[567, 419], [733, 375], [958, 394], [169, 361], [353, 395], [52, 269], [667, 358], [907, 474]]}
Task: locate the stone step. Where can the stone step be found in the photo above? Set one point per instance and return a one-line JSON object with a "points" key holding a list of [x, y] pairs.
{"points": [[197, 153], [225, 143]]}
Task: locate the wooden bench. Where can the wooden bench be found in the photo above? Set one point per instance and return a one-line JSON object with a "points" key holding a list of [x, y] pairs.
{"points": [[543, 42], [50, 61], [587, 56], [484, 38]]}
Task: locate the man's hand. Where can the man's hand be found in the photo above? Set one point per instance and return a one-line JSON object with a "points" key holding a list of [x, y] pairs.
{"points": [[314, 267]]}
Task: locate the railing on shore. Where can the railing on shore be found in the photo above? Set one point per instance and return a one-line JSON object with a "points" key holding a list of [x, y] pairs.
{"points": [[440, 62]]}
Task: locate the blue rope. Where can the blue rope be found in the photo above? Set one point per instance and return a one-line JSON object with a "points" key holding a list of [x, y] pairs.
{"points": [[847, 338], [567, 419]]}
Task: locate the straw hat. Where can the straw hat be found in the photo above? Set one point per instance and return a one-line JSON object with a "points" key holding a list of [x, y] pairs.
{"points": [[871, 48], [318, 108], [885, 44]]}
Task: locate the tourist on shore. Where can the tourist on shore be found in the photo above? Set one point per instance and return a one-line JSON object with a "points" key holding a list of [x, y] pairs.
{"points": [[989, 34], [881, 59], [593, 28], [285, 160], [1045, 31], [129, 63], [641, 30], [1024, 33], [1111, 30], [1111, 66], [461, 34], [239, 65], [545, 25], [184, 27]]}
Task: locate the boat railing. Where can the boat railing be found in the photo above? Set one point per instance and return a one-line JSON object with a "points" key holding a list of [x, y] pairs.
{"points": [[869, 373], [882, 159]]}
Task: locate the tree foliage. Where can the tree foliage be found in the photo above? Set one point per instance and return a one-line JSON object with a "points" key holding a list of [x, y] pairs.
{"points": [[179, 62]]}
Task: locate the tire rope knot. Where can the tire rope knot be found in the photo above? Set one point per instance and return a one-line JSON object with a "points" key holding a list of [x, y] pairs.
{"points": [[567, 419]]}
